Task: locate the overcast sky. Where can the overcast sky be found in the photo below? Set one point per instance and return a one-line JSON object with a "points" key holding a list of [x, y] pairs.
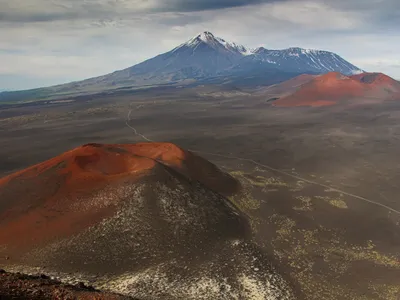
{"points": [[46, 42]]}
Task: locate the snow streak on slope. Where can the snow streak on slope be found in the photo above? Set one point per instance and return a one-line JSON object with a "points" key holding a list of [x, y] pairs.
{"points": [[306, 60]]}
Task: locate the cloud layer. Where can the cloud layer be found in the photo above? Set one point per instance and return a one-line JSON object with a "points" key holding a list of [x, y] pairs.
{"points": [[43, 42]]}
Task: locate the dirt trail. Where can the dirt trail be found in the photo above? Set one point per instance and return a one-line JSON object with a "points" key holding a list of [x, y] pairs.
{"points": [[275, 170]]}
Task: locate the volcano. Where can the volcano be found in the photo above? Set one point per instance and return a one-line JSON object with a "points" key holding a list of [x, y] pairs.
{"points": [[204, 58], [149, 220], [333, 87], [378, 79]]}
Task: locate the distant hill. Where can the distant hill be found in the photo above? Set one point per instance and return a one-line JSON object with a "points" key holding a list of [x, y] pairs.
{"points": [[203, 58], [333, 87]]}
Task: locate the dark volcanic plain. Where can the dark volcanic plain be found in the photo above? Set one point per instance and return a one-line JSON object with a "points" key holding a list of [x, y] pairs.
{"points": [[330, 221]]}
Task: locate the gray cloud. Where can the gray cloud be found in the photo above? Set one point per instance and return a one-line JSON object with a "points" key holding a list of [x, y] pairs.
{"points": [[58, 10], [378, 14], [201, 5], [37, 17], [363, 5], [179, 19]]}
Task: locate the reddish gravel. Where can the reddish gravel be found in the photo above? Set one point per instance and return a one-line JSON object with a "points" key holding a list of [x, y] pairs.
{"points": [[20, 286], [60, 197]]}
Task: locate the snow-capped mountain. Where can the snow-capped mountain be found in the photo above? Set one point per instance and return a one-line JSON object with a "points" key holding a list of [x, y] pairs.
{"points": [[203, 56], [206, 57]]}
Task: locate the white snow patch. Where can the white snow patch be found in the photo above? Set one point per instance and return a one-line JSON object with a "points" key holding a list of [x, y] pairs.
{"points": [[210, 39], [356, 71]]}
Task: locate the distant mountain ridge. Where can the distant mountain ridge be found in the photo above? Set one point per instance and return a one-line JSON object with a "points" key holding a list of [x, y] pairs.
{"points": [[206, 57], [306, 60]]}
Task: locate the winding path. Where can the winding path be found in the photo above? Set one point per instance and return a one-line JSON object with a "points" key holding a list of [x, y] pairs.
{"points": [[275, 170], [134, 130]]}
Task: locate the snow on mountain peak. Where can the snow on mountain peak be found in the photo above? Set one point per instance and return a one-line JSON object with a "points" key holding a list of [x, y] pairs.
{"points": [[213, 41], [259, 50], [206, 36], [235, 47], [294, 58]]}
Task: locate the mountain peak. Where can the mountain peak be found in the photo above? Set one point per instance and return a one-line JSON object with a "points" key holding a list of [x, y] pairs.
{"points": [[211, 40], [206, 36]]}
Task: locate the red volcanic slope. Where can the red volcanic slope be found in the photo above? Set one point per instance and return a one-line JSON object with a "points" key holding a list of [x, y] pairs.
{"points": [[286, 87], [332, 87], [374, 78], [77, 189], [298, 81], [378, 80]]}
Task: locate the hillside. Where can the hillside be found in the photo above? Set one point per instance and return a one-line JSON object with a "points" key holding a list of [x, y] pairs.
{"points": [[146, 220], [332, 88]]}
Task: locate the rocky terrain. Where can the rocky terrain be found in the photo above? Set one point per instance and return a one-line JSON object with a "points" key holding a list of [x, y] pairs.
{"points": [[309, 191], [150, 220], [20, 286]]}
